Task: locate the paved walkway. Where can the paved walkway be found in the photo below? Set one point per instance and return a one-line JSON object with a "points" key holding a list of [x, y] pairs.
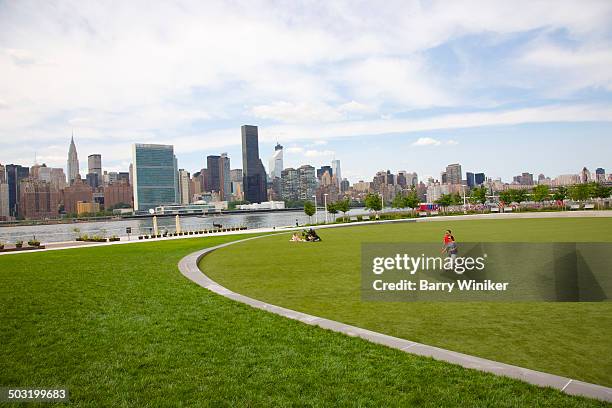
{"points": [[189, 268]]}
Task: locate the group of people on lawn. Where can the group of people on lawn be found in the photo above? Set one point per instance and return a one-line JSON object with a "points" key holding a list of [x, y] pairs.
{"points": [[306, 236]]}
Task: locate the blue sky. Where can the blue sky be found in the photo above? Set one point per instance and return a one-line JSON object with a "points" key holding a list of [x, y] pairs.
{"points": [[501, 87]]}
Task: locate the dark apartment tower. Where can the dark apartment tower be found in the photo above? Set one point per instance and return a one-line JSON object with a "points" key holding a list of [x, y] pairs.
{"points": [[214, 175], [470, 179], [479, 178], [253, 171], [14, 174]]}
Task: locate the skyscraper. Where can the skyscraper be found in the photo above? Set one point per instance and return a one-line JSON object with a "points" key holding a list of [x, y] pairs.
{"points": [[254, 173], [214, 177], [37, 199], [225, 178], [276, 162], [336, 171], [14, 174], [600, 174], [479, 178], [185, 186], [454, 174], [470, 179], [155, 176], [323, 170], [4, 195], [94, 165], [73, 162]]}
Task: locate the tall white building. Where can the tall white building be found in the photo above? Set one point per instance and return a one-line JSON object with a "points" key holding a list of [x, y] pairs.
{"points": [[276, 162], [184, 185], [335, 164], [73, 162], [4, 195]]}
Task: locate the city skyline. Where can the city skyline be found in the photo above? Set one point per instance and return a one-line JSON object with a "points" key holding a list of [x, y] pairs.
{"points": [[424, 78]]}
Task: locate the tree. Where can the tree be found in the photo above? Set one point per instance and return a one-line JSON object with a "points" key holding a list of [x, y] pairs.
{"points": [[398, 201], [600, 191], [506, 196], [541, 193], [456, 199], [478, 195], [412, 200], [445, 200], [332, 209], [309, 209], [519, 195], [560, 194], [373, 202], [344, 206], [580, 192]]}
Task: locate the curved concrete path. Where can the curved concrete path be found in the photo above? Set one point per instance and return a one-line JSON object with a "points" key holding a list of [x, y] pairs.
{"points": [[189, 268]]}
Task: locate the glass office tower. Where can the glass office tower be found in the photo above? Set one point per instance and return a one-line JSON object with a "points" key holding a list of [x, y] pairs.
{"points": [[155, 176]]}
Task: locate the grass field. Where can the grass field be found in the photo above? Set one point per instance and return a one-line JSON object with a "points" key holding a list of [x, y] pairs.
{"points": [[120, 326], [569, 339]]}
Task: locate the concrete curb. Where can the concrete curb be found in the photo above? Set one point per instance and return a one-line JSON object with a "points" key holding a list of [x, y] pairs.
{"points": [[189, 268]]}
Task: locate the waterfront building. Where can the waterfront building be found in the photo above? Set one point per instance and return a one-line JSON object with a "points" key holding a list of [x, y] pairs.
{"points": [[276, 162], [290, 184], [37, 200], [155, 176], [78, 191], [73, 162], [266, 205], [307, 182], [118, 194], [254, 173], [84, 208], [196, 208]]}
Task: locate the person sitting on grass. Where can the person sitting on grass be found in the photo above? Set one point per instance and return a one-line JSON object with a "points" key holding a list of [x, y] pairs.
{"points": [[312, 236], [296, 238]]}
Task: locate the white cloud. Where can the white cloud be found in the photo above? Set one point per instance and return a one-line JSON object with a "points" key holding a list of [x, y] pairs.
{"points": [[426, 141], [296, 112], [319, 153]]}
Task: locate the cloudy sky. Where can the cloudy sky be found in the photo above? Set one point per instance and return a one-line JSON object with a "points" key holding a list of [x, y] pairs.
{"points": [[499, 86]]}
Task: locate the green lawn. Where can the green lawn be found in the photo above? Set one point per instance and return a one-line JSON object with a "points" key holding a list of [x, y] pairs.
{"points": [[120, 326], [569, 339]]}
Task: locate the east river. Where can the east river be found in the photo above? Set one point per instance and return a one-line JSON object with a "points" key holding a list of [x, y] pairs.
{"points": [[66, 232]]}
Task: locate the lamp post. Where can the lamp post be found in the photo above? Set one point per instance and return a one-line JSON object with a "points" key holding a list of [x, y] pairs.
{"points": [[316, 210], [325, 198]]}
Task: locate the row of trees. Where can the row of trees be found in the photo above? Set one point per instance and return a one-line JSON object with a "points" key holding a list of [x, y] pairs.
{"points": [[540, 193], [342, 206]]}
